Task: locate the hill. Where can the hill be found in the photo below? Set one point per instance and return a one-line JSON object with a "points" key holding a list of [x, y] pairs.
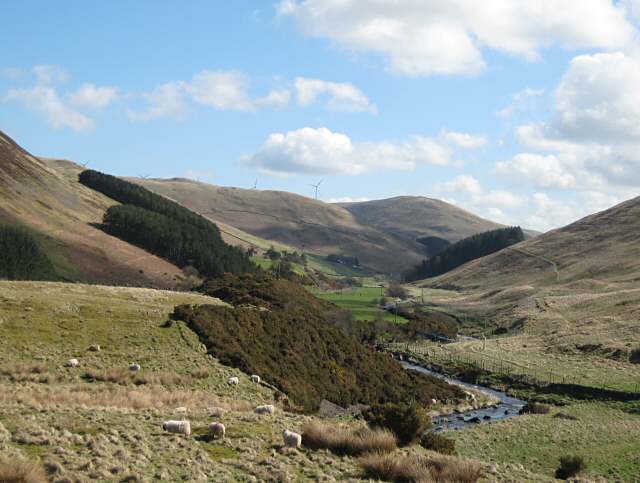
{"points": [[324, 228], [44, 196]]}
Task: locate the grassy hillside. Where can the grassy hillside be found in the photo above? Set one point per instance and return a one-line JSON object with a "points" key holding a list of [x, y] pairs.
{"points": [[320, 228], [45, 196]]}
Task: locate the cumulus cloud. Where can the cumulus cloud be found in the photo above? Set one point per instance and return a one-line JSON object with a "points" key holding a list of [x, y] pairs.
{"points": [[50, 74], [475, 195], [90, 95], [464, 140], [592, 139], [342, 96], [220, 90], [46, 101], [166, 100], [321, 151], [518, 100], [431, 37]]}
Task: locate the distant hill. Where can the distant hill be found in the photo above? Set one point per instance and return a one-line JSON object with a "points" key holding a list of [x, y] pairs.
{"points": [[381, 234], [44, 196]]}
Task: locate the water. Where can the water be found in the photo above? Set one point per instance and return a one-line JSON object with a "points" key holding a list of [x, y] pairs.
{"points": [[508, 407]]}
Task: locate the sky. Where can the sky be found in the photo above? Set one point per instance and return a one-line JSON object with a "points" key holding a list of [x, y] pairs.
{"points": [[525, 113]]}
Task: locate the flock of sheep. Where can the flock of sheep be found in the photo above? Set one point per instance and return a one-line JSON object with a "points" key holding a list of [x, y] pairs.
{"points": [[217, 430]]}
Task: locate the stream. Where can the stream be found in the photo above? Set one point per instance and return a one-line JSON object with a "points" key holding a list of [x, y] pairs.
{"points": [[508, 407]]}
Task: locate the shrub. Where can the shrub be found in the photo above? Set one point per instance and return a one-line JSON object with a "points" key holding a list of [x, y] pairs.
{"points": [[407, 421], [438, 443], [22, 257], [418, 468], [396, 290], [347, 441], [535, 408], [634, 357], [20, 471], [570, 466]]}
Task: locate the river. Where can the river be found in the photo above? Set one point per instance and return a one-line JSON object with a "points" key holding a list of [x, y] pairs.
{"points": [[508, 407]]}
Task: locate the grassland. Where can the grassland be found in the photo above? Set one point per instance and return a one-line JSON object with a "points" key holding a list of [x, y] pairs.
{"points": [[607, 438], [363, 302]]}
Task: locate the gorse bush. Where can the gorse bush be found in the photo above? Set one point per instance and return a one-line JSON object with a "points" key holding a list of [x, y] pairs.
{"points": [[535, 408], [465, 250], [438, 443], [21, 257], [570, 466], [347, 441], [165, 228], [407, 421], [279, 330]]}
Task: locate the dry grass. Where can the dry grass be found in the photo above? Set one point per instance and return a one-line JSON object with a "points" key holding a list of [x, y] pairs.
{"points": [[116, 397], [125, 376], [17, 471], [20, 372], [420, 469], [347, 441]]}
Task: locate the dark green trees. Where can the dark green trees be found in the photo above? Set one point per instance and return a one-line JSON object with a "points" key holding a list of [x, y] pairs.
{"points": [[21, 257], [470, 248], [165, 228]]}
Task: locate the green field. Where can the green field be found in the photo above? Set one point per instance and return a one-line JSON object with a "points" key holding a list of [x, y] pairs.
{"points": [[362, 302]]}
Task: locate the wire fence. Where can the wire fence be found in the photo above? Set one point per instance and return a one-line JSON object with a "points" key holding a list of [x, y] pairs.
{"points": [[537, 376]]}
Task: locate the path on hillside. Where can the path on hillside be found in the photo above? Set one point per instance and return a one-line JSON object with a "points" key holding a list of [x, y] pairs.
{"points": [[553, 264]]}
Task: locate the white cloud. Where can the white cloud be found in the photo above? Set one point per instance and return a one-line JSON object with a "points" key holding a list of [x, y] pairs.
{"points": [[166, 100], [518, 100], [223, 90], [592, 139], [276, 98], [50, 74], [12, 73], [206, 175], [342, 96], [46, 101], [90, 95], [462, 184], [477, 196], [321, 151], [464, 140], [347, 199], [427, 37]]}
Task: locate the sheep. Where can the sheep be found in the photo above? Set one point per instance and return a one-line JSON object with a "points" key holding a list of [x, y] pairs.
{"points": [[255, 378], [217, 430], [94, 348], [73, 362], [233, 381], [266, 409], [134, 367], [180, 427], [180, 410], [291, 439], [434, 401]]}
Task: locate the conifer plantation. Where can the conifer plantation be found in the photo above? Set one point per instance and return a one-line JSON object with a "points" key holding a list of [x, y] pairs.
{"points": [[21, 257]]}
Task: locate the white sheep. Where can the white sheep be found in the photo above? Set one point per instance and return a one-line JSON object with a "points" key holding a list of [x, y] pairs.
{"points": [[73, 362], [233, 381], [434, 401], [255, 378], [217, 430], [291, 439], [134, 367], [266, 409], [180, 427], [181, 410], [95, 348]]}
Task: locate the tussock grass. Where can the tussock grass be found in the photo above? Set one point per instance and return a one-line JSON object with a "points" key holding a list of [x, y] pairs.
{"points": [[347, 441], [19, 471], [116, 397], [125, 376], [21, 372], [418, 468]]}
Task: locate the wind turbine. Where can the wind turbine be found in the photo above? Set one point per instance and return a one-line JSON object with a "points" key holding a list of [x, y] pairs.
{"points": [[316, 186], [255, 185], [144, 176]]}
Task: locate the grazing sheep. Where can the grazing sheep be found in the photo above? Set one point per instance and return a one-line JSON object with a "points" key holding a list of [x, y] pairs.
{"points": [[434, 401], [216, 412], [180, 427], [134, 367], [266, 409], [95, 348], [255, 378], [233, 381], [291, 439], [217, 430], [73, 362]]}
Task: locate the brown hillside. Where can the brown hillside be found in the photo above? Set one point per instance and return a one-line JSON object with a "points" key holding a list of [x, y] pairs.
{"points": [[324, 228], [44, 194]]}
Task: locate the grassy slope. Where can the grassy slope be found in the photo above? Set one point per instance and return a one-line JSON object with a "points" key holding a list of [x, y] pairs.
{"points": [[106, 431], [607, 438], [45, 196]]}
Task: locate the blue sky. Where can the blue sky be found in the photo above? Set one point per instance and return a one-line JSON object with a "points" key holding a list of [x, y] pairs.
{"points": [[522, 112]]}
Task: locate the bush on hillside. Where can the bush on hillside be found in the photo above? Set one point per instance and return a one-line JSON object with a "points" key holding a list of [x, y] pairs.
{"points": [[438, 443], [535, 408], [407, 421], [279, 330], [21, 257], [347, 441], [570, 466], [634, 357], [465, 250], [395, 290]]}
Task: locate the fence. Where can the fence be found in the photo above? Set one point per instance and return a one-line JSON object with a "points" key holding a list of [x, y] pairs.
{"points": [[537, 376]]}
